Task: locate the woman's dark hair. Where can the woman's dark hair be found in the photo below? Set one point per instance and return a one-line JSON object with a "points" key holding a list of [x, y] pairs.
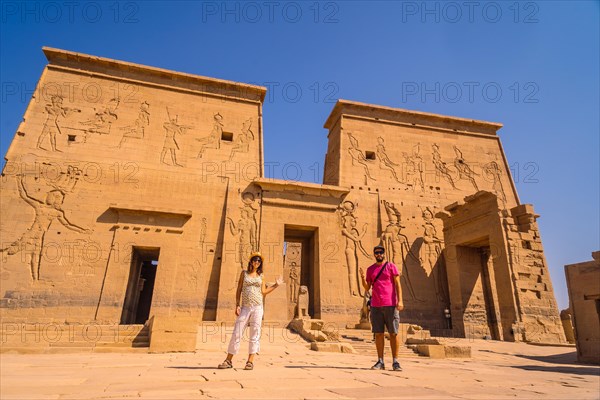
{"points": [[259, 269]]}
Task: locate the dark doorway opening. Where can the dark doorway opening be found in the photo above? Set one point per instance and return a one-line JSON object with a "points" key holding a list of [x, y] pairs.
{"points": [[308, 275], [140, 286]]}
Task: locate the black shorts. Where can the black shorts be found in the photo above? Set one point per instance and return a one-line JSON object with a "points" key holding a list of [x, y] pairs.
{"points": [[387, 316]]}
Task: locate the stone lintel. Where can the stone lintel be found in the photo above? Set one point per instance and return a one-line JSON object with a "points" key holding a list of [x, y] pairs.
{"points": [[133, 209], [128, 70], [457, 206], [399, 115], [311, 189]]}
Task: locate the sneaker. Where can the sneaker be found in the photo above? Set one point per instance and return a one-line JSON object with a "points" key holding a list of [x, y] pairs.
{"points": [[378, 365], [396, 366]]}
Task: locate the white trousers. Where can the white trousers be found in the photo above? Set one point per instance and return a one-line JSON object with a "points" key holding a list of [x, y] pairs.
{"points": [[252, 315]]}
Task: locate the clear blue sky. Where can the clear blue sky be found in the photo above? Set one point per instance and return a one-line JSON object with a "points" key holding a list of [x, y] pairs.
{"points": [[533, 66]]}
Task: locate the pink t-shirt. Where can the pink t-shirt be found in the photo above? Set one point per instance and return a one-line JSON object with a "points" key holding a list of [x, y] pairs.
{"points": [[384, 289]]}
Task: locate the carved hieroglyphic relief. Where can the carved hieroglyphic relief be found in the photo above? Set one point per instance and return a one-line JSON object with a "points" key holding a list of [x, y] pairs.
{"points": [[242, 141], [494, 172], [203, 229], [357, 155], [243, 230], [464, 170], [136, 131], [212, 141], [353, 237], [294, 282], [55, 111], [415, 168], [397, 246], [430, 255], [66, 181], [248, 200], [246, 229], [384, 161], [103, 120], [441, 166], [46, 212], [292, 269], [172, 129]]}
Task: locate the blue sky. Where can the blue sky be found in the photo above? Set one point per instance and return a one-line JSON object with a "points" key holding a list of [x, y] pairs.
{"points": [[533, 66]]}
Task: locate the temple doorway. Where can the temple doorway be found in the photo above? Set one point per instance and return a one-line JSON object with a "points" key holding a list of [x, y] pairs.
{"points": [[140, 286], [301, 268]]}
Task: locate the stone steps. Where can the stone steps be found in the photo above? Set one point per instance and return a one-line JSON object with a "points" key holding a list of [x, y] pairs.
{"points": [[363, 343], [55, 338]]}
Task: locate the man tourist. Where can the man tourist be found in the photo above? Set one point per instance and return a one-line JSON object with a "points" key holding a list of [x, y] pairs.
{"points": [[386, 304]]}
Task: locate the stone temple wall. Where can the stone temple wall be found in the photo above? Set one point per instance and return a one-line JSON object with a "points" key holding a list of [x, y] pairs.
{"points": [[114, 159], [402, 168], [135, 194]]}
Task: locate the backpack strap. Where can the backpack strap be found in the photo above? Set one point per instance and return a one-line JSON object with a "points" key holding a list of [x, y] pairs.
{"points": [[380, 271]]}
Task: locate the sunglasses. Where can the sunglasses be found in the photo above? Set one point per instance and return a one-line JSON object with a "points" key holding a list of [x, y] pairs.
{"points": [[378, 253], [256, 259]]}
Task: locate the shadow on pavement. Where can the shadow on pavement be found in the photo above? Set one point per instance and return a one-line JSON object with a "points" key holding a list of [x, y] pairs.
{"points": [[564, 358], [325, 367], [560, 369]]}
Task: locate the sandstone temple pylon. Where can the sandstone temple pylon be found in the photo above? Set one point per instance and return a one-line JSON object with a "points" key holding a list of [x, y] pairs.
{"points": [[133, 195]]}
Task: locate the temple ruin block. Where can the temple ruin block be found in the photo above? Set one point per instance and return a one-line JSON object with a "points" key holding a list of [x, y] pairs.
{"points": [[583, 283]]}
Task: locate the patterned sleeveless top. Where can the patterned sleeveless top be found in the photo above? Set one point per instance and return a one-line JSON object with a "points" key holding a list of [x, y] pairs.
{"points": [[251, 291]]}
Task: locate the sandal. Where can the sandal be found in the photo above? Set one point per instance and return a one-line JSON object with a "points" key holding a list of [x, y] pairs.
{"points": [[249, 366], [225, 364]]}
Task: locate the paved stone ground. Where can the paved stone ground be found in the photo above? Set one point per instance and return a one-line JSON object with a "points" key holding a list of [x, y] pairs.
{"points": [[285, 368]]}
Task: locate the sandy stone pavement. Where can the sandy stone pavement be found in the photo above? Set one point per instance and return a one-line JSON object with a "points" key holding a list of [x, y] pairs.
{"points": [[287, 369]]}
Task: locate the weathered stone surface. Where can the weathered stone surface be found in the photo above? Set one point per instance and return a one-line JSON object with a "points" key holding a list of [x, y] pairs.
{"points": [[479, 263], [422, 341], [334, 347], [147, 200], [313, 330], [583, 284], [457, 351], [432, 350]]}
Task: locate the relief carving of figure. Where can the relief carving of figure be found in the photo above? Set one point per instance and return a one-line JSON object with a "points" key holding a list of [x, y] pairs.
{"points": [[294, 282], [415, 168], [430, 255], [248, 200], [66, 181], [492, 169], [246, 230], [212, 141], [55, 111], [397, 246], [46, 212], [104, 119], [353, 244], [357, 155], [384, 160], [441, 166], [464, 170], [172, 130], [242, 141], [136, 131]]}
